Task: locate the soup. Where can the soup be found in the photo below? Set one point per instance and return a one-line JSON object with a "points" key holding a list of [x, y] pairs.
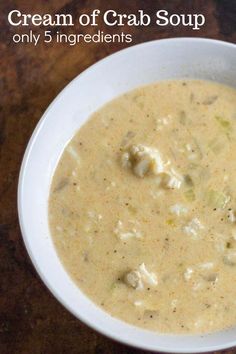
{"points": [[142, 207]]}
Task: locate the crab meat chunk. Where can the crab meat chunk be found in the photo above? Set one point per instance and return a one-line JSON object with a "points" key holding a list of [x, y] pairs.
{"points": [[230, 258], [126, 233], [200, 275], [193, 228], [171, 179], [142, 160], [178, 209], [163, 121], [188, 273], [134, 280], [138, 278], [207, 265], [148, 277], [232, 216]]}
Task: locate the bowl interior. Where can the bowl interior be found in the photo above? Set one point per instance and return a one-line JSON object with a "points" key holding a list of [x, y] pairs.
{"points": [[121, 72]]}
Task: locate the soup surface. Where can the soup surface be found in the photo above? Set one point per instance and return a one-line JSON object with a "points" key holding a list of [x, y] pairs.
{"points": [[142, 207]]}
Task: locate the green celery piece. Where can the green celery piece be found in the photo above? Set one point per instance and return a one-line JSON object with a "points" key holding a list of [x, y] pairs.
{"points": [[217, 199], [223, 122], [190, 195]]}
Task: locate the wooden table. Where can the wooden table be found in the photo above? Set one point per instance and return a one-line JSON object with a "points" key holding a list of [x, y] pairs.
{"points": [[31, 320]]}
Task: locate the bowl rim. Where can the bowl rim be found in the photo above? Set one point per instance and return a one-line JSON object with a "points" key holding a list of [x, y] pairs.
{"points": [[90, 323]]}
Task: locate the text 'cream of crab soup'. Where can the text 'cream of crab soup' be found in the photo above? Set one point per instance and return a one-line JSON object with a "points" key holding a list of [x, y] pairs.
{"points": [[142, 207]]}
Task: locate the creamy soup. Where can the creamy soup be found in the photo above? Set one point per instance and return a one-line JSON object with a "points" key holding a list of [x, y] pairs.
{"points": [[142, 207]]}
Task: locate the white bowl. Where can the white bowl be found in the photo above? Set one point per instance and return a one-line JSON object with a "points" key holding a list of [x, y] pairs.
{"points": [[118, 73]]}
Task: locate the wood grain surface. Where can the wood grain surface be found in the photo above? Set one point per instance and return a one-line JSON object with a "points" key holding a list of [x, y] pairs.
{"points": [[31, 320]]}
